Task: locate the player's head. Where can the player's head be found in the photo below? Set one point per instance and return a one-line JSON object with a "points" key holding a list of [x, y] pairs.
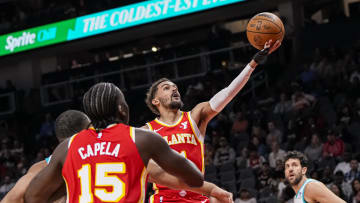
{"points": [[69, 123], [295, 167], [163, 94], [105, 104]]}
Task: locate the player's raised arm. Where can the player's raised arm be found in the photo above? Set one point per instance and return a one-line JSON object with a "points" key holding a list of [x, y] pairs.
{"points": [[318, 192], [159, 176], [49, 180], [153, 146], [204, 112]]}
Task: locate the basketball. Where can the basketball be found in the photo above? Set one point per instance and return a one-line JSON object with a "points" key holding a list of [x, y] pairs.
{"points": [[263, 27]]}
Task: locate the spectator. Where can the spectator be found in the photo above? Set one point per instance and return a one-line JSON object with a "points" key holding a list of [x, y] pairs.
{"points": [[336, 189], [313, 151], [355, 75], [240, 124], [209, 154], [241, 160], [224, 154], [326, 175], [6, 185], [256, 144], [356, 198], [354, 172], [47, 127], [334, 147], [283, 106], [276, 154], [345, 187], [344, 166], [257, 131], [245, 197], [301, 101], [17, 149], [355, 185], [255, 161], [275, 135]]}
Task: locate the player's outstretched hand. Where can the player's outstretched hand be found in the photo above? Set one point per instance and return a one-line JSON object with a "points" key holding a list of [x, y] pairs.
{"points": [[219, 195], [272, 47], [269, 47]]}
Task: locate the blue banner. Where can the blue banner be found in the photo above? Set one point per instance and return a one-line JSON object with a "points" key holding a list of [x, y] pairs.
{"points": [[139, 13]]}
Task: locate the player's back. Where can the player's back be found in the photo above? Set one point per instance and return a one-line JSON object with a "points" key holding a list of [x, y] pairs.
{"points": [[104, 167]]}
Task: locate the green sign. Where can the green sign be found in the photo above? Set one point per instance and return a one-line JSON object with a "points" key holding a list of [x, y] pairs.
{"points": [[102, 22]]}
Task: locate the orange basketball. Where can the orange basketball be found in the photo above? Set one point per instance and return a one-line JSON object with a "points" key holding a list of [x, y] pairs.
{"points": [[263, 27]]}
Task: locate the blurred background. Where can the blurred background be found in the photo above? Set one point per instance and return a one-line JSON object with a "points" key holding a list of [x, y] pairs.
{"points": [[306, 97]]}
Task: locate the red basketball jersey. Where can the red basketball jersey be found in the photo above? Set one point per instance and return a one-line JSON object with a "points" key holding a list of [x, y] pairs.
{"points": [[185, 138], [104, 167]]}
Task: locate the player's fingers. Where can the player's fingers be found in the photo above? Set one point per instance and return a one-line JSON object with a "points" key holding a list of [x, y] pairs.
{"points": [[267, 44], [275, 46]]}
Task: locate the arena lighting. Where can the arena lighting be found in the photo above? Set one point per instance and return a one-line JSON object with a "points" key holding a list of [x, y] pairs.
{"points": [[103, 22], [154, 49]]}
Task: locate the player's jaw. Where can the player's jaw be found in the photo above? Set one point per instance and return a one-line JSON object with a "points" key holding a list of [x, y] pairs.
{"points": [[173, 101], [294, 178]]}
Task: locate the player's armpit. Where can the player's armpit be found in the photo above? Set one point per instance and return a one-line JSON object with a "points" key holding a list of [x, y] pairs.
{"points": [[49, 179], [168, 159], [202, 113], [318, 192]]}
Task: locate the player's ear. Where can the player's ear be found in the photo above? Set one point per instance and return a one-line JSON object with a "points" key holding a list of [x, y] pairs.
{"points": [[124, 113], [304, 170], [155, 102]]}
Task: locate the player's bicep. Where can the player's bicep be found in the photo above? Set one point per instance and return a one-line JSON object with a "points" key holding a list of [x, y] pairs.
{"points": [[317, 191], [203, 113]]}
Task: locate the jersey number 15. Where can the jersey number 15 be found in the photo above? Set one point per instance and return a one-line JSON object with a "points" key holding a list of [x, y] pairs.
{"points": [[102, 179]]}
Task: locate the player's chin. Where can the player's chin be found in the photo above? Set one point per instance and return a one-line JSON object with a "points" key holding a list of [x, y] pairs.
{"points": [[176, 104]]}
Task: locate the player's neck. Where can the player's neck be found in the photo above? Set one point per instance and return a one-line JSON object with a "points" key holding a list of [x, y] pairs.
{"points": [[170, 116], [297, 187]]}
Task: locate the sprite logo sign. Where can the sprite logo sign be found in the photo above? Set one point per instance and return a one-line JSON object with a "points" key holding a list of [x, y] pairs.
{"points": [[103, 22]]}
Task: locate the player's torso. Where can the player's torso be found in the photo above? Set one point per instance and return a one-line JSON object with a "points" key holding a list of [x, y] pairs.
{"points": [[104, 167], [184, 137]]}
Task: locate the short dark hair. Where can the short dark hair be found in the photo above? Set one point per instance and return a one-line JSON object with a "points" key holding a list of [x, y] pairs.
{"points": [[297, 155], [69, 123], [150, 94], [101, 103]]}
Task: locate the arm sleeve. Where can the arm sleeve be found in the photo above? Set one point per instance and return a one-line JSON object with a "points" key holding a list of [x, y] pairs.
{"points": [[222, 98]]}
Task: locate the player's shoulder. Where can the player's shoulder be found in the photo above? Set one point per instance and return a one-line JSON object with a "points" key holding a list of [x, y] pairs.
{"points": [[146, 127], [313, 187], [38, 166], [143, 131]]}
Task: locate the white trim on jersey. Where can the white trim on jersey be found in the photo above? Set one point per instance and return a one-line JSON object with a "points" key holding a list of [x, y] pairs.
{"points": [[70, 140], [196, 129]]}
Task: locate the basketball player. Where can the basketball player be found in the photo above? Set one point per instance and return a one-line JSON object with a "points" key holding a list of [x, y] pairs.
{"points": [[67, 124], [307, 190], [184, 131], [106, 163]]}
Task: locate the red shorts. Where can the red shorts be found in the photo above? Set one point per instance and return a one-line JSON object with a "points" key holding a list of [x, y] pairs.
{"points": [[181, 196]]}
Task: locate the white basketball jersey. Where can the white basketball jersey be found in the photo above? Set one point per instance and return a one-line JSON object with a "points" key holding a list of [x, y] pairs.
{"points": [[299, 197]]}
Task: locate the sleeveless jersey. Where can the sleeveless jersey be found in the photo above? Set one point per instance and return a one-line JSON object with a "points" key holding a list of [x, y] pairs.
{"points": [[104, 167], [185, 138], [48, 159], [299, 197]]}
